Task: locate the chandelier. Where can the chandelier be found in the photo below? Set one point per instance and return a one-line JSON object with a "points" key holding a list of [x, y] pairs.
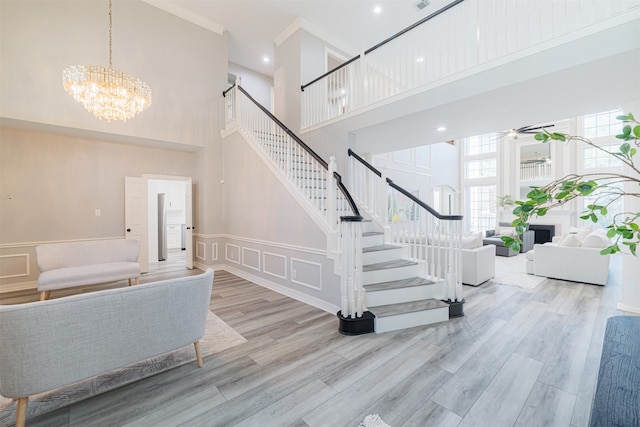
{"points": [[108, 93]]}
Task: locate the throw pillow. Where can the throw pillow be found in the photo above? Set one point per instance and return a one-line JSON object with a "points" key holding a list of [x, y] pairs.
{"points": [[597, 239], [581, 232], [472, 240], [571, 240], [506, 231]]}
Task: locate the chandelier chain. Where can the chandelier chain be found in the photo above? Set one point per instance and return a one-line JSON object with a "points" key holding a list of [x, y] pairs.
{"points": [[110, 24]]}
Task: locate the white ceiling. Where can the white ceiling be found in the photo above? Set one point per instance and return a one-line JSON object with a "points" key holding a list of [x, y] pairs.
{"points": [[253, 25]]}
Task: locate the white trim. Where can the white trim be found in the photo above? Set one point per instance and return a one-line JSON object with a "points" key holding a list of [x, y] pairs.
{"points": [[226, 253], [27, 270], [204, 251], [291, 293], [32, 244], [322, 252], [189, 16], [264, 264], [629, 309], [308, 285], [214, 251], [244, 264]]}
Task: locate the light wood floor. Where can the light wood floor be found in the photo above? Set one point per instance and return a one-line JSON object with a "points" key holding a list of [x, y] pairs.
{"points": [[518, 358]]}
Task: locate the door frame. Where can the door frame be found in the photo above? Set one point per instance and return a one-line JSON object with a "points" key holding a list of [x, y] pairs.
{"points": [[188, 212]]}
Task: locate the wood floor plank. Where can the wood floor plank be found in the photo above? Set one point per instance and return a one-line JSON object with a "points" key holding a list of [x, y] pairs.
{"points": [[547, 406], [473, 370], [503, 399], [463, 389]]}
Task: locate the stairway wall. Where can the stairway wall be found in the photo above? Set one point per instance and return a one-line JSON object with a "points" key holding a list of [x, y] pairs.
{"points": [[269, 237]]}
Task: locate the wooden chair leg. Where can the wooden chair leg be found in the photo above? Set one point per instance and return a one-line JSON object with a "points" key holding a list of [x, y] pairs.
{"points": [[198, 353], [45, 295], [137, 280], [129, 281], [21, 411]]}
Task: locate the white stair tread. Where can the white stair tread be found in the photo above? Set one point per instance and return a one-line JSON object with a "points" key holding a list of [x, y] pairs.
{"points": [[407, 307], [398, 284], [388, 264], [380, 248]]}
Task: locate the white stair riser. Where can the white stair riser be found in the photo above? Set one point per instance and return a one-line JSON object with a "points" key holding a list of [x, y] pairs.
{"points": [[389, 274], [414, 293], [382, 256], [410, 320], [373, 240]]}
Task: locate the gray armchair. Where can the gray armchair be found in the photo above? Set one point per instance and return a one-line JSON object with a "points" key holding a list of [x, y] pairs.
{"points": [[491, 238]]}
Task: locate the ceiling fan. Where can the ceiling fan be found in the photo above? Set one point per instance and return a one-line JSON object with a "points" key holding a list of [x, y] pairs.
{"points": [[513, 133]]}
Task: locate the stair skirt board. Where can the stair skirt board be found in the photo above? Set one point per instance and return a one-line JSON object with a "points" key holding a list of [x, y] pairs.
{"points": [[414, 293], [410, 320]]}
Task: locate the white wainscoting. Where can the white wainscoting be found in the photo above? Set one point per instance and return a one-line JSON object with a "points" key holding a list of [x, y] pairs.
{"points": [[274, 265], [251, 258], [306, 273], [232, 253]]}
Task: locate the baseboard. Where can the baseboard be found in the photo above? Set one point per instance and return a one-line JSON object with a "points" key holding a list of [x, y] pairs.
{"points": [[291, 293], [628, 308], [16, 287]]}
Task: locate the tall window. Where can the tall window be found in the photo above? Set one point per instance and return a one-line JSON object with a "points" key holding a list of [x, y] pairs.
{"points": [[480, 181], [614, 205], [602, 124], [481, 207], [480, 144], [592, 158]]}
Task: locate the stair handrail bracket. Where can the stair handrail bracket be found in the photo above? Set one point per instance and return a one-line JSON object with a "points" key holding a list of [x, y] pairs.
{"points": [[430, 238]]}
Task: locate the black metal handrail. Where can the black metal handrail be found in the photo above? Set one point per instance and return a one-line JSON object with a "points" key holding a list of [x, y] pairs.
{"points": [[224, 93], [313, 154], [347, 196], [423, 204], [382, 43], [364, 162], [286, 129], [344, 64]]}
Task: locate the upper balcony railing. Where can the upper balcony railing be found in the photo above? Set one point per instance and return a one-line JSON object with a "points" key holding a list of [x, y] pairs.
{"points": [[462, 35]]}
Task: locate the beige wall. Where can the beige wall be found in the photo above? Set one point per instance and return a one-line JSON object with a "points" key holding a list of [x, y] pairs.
{"points": [[50, 185]]}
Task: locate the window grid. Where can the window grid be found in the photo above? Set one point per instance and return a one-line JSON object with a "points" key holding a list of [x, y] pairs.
{"points": [[484, 168], [602, 124], [592, 158], [481, 207], [480, 144], [614, 208]]}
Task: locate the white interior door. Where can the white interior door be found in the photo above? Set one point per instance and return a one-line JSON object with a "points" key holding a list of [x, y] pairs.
{"points": [[188, 215], [135, 216]]}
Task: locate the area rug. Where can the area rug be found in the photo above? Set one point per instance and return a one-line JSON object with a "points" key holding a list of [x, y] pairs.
{"points": [[218, 336], [373, 420], [511, 271]]}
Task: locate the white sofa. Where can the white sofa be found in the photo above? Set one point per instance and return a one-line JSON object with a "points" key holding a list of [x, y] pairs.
{"points": [[49, 344], [478, 262], [572, 257], [69, 264]]}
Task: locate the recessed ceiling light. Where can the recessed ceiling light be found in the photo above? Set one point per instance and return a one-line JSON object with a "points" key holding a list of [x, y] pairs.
{"points": [[420, 59], [377, 9], [265, 59], [442, 129]]}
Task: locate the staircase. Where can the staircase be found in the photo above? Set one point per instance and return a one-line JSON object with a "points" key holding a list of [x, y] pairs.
{"points": [[396, 295]]}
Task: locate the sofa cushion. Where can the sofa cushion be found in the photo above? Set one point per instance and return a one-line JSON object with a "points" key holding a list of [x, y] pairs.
{"points": [[597, 239], [529, 255], [571, 240], [472, 240]]}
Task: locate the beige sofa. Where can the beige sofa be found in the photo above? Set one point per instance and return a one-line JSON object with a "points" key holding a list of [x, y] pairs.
{"points": [[49, 344], [70, 264]]}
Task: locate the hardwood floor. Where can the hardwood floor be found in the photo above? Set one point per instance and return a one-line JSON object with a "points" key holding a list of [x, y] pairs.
{"points": [[517, 358]]}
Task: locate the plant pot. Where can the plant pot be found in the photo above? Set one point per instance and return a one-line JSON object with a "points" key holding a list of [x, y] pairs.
{"points": [[357, 326]]}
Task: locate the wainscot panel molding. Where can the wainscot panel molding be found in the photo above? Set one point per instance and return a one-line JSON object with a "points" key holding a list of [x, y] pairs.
{"points": [[251, 258], [274, 265], [292, 293], [214, 251], [306, 273], [201, 251], [14, 265], [232, 253]]}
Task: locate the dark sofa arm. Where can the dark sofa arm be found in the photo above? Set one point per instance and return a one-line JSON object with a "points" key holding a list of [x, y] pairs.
{"points": [[528, 239]]}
